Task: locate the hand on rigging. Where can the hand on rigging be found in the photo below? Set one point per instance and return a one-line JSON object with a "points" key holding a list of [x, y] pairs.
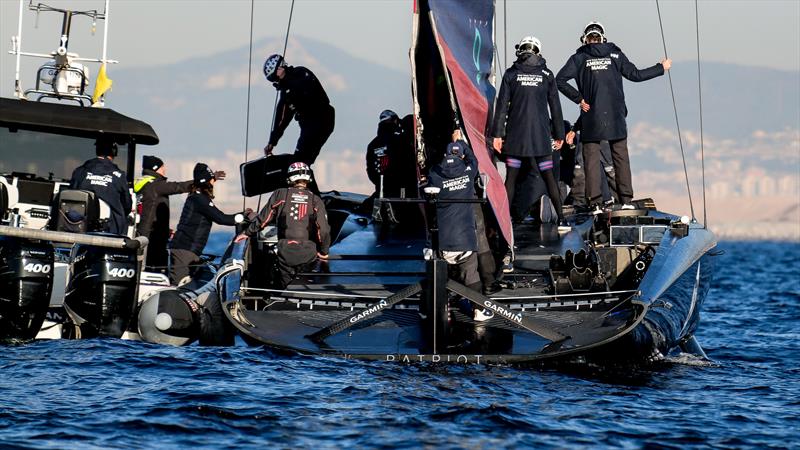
{"points": [[667, 63]]}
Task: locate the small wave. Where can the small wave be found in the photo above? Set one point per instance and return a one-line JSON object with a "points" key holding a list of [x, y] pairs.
{"points": [[690, 359]]}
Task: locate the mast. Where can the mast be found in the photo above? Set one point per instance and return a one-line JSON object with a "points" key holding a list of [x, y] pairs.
{"points": [[16, 43]]}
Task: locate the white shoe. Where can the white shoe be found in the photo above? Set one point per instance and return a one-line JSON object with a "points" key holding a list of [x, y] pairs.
{"points": [[597, 210], [482, 315], [628, 206]]}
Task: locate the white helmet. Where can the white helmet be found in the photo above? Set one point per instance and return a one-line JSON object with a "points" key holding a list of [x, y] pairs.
{"points": [[593, 28], [298, 171], [528, 44]]}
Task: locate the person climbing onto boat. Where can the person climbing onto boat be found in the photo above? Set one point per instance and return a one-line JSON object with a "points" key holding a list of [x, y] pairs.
{"points": [[303, 98], [152, 192], [108, 182], [598, 67], [199, 212], [302, 222], [608, 175], [523, 130]]}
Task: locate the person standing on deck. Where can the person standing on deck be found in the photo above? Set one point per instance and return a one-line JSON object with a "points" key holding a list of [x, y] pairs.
{"points": [[303, 98], [608, 175], [108, 182], [153, 191], [199, 212], [523, 130], [598, 68], [303, 229], [458, 240]]}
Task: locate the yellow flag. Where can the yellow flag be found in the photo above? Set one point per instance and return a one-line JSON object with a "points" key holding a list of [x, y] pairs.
{"points": [[102, 84]]}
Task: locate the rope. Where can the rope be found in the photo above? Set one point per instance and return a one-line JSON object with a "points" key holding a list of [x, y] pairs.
{"points": [[675, 108], [700, 101], [275, 106], [321, 294], [505, 33], [529, 297], [249, 75]]}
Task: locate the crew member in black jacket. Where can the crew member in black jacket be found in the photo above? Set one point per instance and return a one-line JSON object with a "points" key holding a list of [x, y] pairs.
{"points": [[153, 191], [598, 68], [303, 230], [523, 129], [382, 155], [194, 226], [108, 182], [303, 98]]}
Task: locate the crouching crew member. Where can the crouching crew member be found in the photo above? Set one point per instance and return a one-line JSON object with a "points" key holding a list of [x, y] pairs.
{"points": [[303, 230], [303, 98], [598, 67], [458, 240], [108, 182], [199, 212], [153, 191]]}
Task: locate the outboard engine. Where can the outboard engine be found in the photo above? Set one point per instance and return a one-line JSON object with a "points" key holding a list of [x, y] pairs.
{"points": [[180, 317], [26, 282], [101, 291]]}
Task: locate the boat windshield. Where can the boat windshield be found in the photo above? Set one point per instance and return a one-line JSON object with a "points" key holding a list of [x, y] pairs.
{"points": [[47, 155]]}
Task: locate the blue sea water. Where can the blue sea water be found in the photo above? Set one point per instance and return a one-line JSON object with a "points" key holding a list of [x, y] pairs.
{"points": [[121, 394]]}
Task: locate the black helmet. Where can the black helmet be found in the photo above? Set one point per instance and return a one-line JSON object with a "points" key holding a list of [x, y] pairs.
{"points": [[271, 67], [388, 114]]}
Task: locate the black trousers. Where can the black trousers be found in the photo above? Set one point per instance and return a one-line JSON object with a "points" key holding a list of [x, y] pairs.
{"points": [[182, 264], [622, 169], [314, 132]]}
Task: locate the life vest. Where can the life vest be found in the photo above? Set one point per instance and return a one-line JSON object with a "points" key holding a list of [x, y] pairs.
{"points": [[137, 187]]}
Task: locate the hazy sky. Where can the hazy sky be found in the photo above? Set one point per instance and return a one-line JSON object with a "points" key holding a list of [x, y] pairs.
{"points": [[153, 32]]}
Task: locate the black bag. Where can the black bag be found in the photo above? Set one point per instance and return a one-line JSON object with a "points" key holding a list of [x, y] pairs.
{"points": [[265, 174]]}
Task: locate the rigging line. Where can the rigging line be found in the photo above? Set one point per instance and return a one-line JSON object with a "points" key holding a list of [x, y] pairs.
{"points": [[277, 94], [249, 76], [675, 108], [700, 101], [505, 33]]}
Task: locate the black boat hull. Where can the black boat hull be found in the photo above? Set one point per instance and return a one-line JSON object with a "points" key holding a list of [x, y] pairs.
{"points": [[651, 321]]}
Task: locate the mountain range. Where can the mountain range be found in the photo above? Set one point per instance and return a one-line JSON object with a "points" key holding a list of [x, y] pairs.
{"points": [[199, 108]]}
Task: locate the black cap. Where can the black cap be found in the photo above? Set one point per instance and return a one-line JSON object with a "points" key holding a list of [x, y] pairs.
{"points": [[202, 174], [151, 162]]}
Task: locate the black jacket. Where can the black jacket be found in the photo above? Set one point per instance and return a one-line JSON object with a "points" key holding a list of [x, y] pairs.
{"points": [[301, 97], [598, 70], [154, 217], [390, 155], [456, 179], [521, 116], [197, 216], [108, 182], [299, 214]]}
